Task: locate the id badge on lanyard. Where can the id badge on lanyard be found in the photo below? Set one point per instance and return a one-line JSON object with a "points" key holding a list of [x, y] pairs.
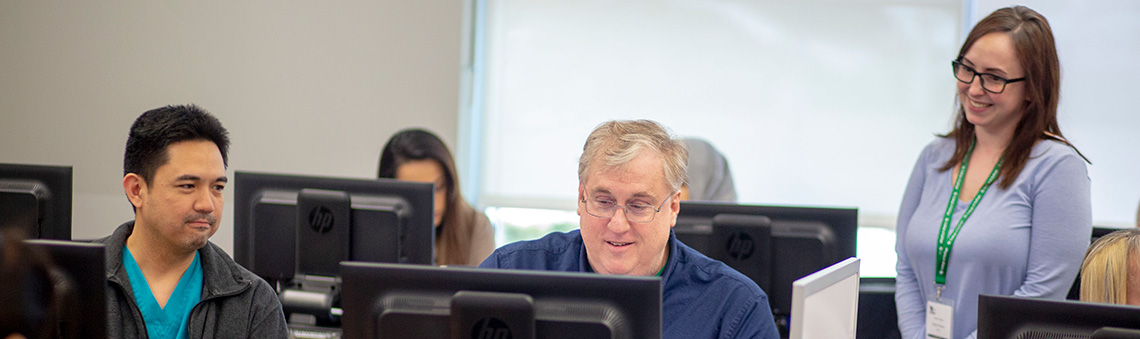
{"points": [[940, 310], [939, 316]]}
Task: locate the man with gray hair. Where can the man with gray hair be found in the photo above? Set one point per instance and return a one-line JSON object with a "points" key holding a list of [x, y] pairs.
{"points": [[637, 167]]}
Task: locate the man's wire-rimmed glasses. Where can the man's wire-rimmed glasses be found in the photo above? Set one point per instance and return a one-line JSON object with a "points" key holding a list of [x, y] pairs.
{"points": [[606, 207]]}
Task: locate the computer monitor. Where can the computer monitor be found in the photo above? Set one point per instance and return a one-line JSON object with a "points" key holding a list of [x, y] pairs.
{"points": [[294, 231], [37, 199], [825, 303], [772, 245], [82, 265], [406, 301], [1002, 317]]}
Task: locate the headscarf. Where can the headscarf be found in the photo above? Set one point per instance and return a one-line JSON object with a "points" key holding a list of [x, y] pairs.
{"points": [[709, 178]]}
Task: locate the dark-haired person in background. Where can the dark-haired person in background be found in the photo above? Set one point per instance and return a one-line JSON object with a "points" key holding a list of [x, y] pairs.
{"points": [[629, 193], [463, 235], [1027, 236], [165, 279], [32, 299]]}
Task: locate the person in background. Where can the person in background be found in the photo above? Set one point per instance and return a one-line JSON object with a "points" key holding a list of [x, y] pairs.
{"points": [[1110, 272], [34, 298], [709, 178], [463, 235], [629, 193], [165, 279], [958, 236]]}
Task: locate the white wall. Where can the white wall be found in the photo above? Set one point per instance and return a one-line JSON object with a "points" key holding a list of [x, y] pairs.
{"points": [[814, 102], [821, 102], [303, 87]]}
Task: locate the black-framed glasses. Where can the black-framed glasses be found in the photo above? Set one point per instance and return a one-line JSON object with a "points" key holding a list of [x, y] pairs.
{"points": [[990, 82], [604, 207]]}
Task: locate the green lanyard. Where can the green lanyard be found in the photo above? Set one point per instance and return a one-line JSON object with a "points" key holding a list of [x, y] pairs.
{"points": [[945, 236]]}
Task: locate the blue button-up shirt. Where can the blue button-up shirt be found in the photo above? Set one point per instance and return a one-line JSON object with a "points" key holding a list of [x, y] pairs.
{"points": [[701, 297]]}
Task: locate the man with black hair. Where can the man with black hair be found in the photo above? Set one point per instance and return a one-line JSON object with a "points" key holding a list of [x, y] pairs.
{"points": [[165, 279]]}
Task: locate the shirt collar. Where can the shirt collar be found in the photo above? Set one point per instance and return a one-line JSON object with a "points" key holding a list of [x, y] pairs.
{"points": [[584, 261]]}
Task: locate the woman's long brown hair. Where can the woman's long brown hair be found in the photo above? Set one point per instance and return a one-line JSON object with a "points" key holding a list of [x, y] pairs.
{"points": [[453, 236], [1037, 53]]}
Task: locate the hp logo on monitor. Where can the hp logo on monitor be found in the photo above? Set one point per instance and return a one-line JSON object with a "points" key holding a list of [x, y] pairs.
{"points": [[740, 245], [490, 328], [321, 219]]}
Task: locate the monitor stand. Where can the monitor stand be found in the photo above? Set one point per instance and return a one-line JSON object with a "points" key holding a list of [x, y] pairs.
{"points": [[311, 300]]}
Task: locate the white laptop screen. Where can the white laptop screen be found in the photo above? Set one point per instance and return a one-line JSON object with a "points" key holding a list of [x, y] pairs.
{"points": [[825, 303]]}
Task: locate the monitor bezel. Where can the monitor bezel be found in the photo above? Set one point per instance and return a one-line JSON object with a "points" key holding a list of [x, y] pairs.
{"points": [[55, 219], [85, 264], [248, 185], [842, 221], [1001, 316], [365, 284], [820, 280]]}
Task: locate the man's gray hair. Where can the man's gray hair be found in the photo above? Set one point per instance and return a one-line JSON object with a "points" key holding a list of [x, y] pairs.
{"points": [[617, 142]]}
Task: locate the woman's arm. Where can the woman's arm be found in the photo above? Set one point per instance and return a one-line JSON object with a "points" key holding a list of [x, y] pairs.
{"points": [[1061, 228], [482, 239], [909, 301]]}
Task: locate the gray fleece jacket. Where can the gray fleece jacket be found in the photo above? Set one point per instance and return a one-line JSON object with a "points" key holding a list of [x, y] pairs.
{"points": [[235, 302]]}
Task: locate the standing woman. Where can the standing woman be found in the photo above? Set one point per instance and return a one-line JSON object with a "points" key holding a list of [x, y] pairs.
{"points": [[463, 236], [1025, 235]]}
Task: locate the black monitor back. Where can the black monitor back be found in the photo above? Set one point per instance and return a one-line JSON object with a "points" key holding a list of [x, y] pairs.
{"points": [[787, 243], [1006, 317], [37, 199], [83, 264], [380, 220], [405, 301]]}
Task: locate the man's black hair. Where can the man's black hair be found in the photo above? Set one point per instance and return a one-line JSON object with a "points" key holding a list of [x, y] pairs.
{"points": [[156, 129]]}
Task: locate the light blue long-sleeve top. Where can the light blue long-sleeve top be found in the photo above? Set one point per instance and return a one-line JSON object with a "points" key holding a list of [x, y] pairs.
{"points": [[1026, 241]]}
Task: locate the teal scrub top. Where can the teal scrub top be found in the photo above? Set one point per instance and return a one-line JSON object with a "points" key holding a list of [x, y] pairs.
{"points": [[173, 320]]}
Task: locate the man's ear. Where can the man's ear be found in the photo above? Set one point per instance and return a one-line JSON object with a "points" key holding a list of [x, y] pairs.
{"points": [[675, 207], [135, 188], [581, 197]]}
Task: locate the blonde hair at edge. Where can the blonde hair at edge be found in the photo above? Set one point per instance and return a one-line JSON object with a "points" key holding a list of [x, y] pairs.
{"points": [[1104, 272], [617, 142]]}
